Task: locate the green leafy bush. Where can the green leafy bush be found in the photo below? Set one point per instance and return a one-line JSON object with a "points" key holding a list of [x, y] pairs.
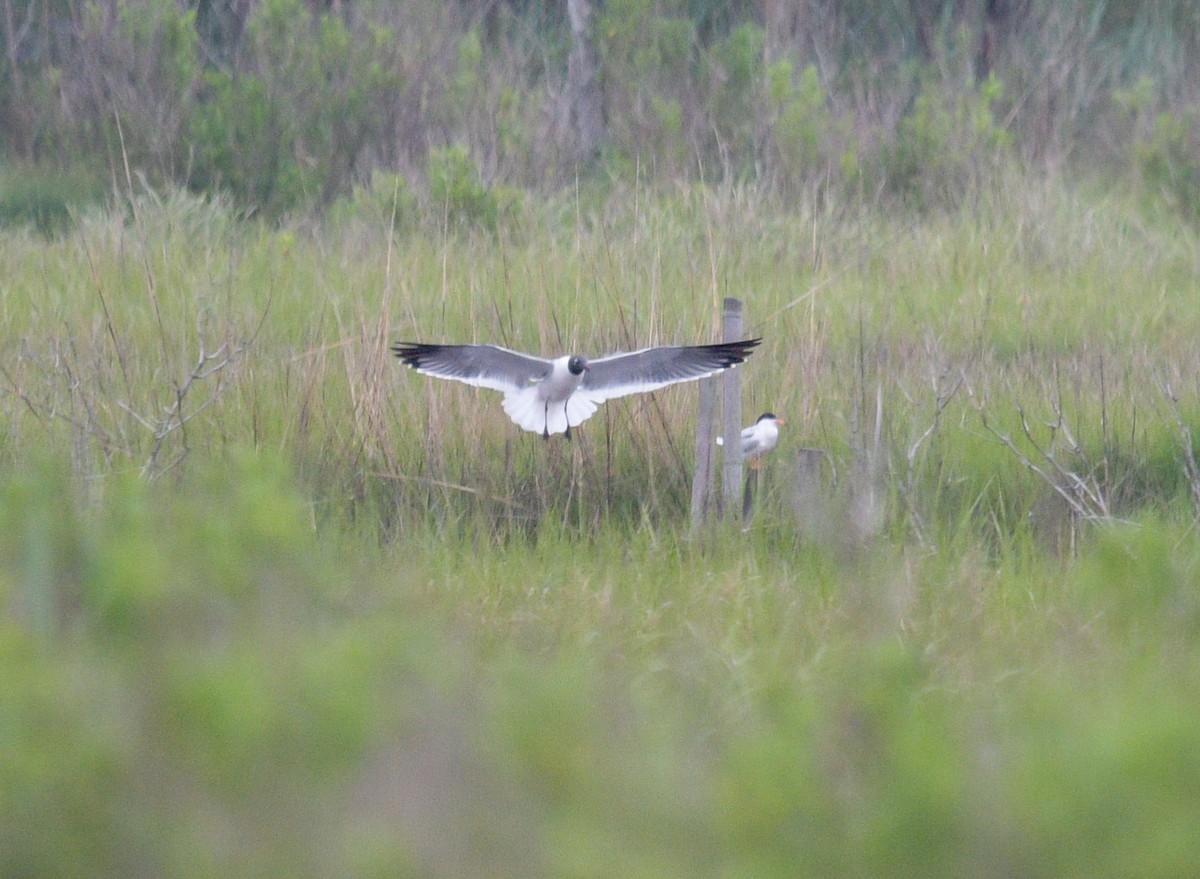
{"points": [[287, 128], [168, 682], [456, 193], [807, 142], [137, 66], [384, 201], [945, 147], [45, 198], [735, 72], [1169, 161], [237, 132], [648, 62]]}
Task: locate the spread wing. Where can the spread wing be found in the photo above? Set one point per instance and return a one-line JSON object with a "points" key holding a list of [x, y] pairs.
{"points": [[485, 366], [651, 368]]}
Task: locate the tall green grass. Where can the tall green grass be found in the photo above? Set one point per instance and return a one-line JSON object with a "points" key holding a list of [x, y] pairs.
{"points": [[273, 605], [140, 339]]}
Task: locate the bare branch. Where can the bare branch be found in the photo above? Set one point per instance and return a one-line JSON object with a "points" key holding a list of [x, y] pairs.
{"points": [[1082, 493], [945, 383]]}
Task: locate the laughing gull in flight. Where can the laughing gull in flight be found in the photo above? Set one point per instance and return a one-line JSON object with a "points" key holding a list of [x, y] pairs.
{"points": [[549, 396], [759, 438]]}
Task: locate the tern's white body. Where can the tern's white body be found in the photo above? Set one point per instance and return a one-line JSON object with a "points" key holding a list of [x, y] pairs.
{"points": [[760, 438]]}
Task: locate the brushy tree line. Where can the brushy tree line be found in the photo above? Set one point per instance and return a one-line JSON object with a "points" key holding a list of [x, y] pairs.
{"points": [[294, 104]]}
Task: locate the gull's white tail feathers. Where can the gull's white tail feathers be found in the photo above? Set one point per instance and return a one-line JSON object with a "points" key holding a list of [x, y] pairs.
{"points": [[529, 412]]}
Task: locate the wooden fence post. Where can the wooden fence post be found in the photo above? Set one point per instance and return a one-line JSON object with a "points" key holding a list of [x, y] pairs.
{"points": [[731, 412], [702, 479], [731, 431]]}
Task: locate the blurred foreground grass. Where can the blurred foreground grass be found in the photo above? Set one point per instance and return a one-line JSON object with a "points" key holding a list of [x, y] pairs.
{"points": [[272, 606], [196, 684]]}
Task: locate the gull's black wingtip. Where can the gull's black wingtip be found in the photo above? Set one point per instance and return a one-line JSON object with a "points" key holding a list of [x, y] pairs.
{"points": [[737, 352], [412, 353]]}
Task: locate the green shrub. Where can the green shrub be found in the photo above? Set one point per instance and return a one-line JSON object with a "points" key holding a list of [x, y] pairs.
{"points": [[384, 201], [735, 71], [1168, 161], [455, 191], [46, 198], [138, 64], [1099, 780], [804, 136], [237, 134], [945, 147], [647, 62], [1139, 583], [286, 129], [182, 683], [65, 761]]}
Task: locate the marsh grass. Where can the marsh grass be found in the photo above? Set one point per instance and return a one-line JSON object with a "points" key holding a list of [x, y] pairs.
{"points": [[849, 310], [308, 613]]}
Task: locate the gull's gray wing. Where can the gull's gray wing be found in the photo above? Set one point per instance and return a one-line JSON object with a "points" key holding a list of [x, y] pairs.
{"points": [[651, 368], [485, 366]]}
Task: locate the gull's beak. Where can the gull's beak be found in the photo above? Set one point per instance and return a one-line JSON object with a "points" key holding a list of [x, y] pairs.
{"points": [[780, 421]]}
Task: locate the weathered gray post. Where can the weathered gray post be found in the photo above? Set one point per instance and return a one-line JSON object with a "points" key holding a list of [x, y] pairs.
{"points": [[731, 411], [702, 479], [810, 501]]}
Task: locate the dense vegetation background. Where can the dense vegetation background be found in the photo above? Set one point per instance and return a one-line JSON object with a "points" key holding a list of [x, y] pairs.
{"points": [[272, 606], [287, 104]]}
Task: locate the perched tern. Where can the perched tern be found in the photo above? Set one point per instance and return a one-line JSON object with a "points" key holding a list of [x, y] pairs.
{"points": [[550, 396], [759, 438]]}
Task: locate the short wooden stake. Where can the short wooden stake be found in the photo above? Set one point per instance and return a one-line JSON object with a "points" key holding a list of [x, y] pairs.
{"points": [[748, 498]]}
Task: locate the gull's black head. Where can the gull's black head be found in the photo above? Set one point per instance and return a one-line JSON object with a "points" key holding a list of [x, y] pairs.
{"points": [[577, 364], [765, 416]]}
